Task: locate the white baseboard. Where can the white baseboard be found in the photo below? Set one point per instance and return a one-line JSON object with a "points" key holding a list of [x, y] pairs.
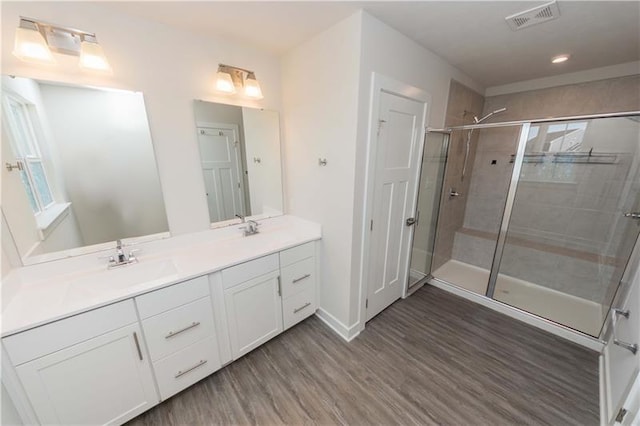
{"points": [[541, 323], [347, 333]]}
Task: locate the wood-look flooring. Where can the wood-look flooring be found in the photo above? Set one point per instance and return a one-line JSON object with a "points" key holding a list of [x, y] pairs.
{"points": [[432, 358]]}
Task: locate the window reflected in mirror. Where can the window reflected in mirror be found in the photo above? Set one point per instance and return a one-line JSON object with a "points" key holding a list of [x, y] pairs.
{"points": [[79, 172]]}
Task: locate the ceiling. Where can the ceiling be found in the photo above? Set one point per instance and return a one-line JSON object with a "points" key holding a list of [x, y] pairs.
{"points": [[471, 35]]}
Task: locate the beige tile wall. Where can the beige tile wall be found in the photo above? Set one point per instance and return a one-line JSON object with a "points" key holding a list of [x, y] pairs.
{"points": [[612, 95], [463, 105]]}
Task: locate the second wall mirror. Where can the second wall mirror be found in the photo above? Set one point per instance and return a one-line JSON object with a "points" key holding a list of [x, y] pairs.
{"points": [[240, 161]]}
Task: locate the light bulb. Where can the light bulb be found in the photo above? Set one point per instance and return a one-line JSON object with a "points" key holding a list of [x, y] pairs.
{"points": [[92, 57], [31, 46], [224, 83], [252, 87]]}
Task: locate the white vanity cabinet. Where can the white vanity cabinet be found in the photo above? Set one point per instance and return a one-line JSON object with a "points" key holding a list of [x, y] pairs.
{"points": [[253, 303], [299, 290], [87, 369], [107, 365], [266, 296], [179, 329]]}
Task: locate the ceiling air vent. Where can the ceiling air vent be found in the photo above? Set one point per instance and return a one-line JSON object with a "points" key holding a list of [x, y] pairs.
{"points": [[536, 15]]}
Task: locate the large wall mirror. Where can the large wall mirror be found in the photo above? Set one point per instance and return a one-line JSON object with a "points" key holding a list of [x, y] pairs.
{"points": [[78, 171], [240, 160]]}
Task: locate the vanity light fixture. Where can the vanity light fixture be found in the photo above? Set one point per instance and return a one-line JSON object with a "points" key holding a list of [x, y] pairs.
{"points": [[36, 40], [229, 78]]}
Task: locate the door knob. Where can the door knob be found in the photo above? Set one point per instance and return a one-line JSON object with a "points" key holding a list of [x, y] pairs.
{"points": [[411, 221]]}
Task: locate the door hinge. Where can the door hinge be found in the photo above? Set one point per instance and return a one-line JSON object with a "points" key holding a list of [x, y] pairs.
{"points": [[371, 226], [621, 414], [366, 303]]}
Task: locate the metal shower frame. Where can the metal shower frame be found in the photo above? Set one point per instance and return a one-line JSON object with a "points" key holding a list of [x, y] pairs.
{"points": [[525, 126]]}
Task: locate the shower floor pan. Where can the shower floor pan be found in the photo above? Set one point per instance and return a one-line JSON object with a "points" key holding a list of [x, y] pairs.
{"points": [[571, 311]]}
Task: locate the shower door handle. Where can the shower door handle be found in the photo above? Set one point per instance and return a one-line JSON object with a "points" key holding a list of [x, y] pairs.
{"points": [[632, 215], [411, 221]]}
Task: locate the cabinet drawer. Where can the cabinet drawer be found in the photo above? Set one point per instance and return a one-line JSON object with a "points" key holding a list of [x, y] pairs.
{"points": [[296, 254], [182, 369], [298, 277], [245, 271], [171, 297], [40, 341], [298, 307], [178, 328]]}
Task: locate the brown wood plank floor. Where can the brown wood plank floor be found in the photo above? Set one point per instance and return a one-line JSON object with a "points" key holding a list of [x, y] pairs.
{"points": [[432, 358]]}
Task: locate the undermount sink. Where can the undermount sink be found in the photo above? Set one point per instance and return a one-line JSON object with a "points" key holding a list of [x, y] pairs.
{"points": [[120, 277]]}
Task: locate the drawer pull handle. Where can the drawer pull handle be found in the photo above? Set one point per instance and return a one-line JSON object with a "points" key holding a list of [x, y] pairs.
{"points": [[189, 327], [135, 339], [301, 278], [295, 311], [199, 364]]}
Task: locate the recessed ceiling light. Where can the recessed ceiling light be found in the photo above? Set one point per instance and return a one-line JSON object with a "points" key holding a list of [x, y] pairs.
{"points": [[560, 58]]}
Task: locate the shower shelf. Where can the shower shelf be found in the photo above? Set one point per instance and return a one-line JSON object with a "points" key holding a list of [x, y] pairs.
{"points": [[569, 157]]}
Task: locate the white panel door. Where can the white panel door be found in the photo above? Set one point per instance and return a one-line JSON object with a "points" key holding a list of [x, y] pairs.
{"points": [[100, 381], [220, 157], [254, 312], [397, 147]]}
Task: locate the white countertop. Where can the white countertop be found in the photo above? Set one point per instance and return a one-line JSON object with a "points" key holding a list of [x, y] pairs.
{"points": [[39, 294]]}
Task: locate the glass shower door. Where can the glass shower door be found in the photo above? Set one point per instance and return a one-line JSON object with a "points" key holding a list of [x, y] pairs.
{"points": [[570, 234], [472, 205], [434, 159]]}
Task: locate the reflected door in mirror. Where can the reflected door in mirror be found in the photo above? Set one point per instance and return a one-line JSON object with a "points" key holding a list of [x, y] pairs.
{"points": [[240, 161], [220, 158]]}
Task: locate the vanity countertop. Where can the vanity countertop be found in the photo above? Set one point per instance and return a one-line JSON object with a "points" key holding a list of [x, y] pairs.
{"points": [[39, 294]]}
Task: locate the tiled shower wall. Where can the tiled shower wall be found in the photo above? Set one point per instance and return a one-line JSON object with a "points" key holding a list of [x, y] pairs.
{"points": [[463, 105], [595, 97]]}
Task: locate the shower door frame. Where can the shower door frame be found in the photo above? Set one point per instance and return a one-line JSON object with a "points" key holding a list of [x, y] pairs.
{"points": [[487, 299]]}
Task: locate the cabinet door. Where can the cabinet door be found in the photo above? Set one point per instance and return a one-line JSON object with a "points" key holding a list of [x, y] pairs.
{"points": [[104, 380], [254, 313]]}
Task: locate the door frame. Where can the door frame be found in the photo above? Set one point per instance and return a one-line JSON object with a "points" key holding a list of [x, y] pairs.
{"points": [[381, 83]]}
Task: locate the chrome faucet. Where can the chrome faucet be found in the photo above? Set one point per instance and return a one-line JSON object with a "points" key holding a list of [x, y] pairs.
{"points": [[121, 257], [251, 228]]}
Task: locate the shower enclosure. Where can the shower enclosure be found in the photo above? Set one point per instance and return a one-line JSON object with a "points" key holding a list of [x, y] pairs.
{"points": [[544, 217]]}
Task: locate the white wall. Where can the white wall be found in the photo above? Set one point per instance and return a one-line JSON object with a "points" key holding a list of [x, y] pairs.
{"points": [[326, 84], [171, 67], [262, 138], [320, 95]]}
